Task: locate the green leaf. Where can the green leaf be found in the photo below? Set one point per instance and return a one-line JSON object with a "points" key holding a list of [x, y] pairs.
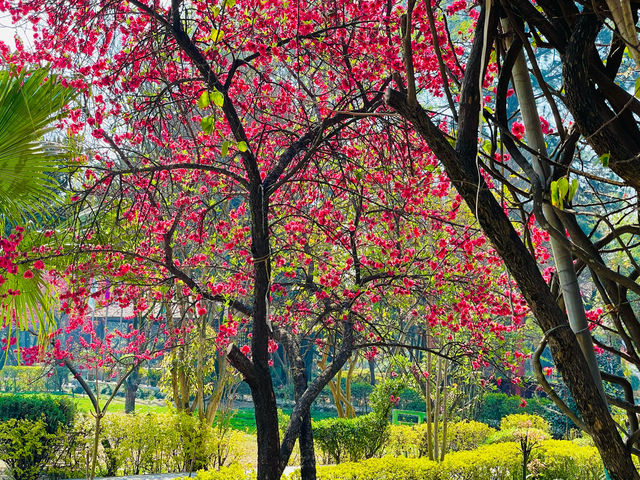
{"points": [[204, 100], [216, 35], [218, 98], [637, 88], [555, 200], [563, 187], [224, 149], [207, 124], [29, 103], [242, 146], [604, 159], [573, 189], [230, 3]]}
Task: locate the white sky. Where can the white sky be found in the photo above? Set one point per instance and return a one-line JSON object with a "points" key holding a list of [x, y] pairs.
{"points": [[8, 31]]}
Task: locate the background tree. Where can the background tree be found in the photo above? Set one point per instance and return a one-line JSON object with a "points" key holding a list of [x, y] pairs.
{"points": [[595, 96], [229, 127]]}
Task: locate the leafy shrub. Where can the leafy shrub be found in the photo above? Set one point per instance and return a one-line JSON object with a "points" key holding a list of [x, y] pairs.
{"points": [[404, 440], [467, 435], [56, 412], [26, 447], [410, 399], [495, 406], [409, 440], [232, 472], [172, 441], [360, 437], [556, 459], [562, 459], [524, 420], [490, 462]]}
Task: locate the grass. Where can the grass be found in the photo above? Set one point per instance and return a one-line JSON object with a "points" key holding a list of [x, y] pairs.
{"points": [[243, 419], [117, 405]]}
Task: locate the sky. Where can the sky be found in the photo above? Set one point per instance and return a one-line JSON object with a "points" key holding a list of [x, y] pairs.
{"points": [[8, 31]]}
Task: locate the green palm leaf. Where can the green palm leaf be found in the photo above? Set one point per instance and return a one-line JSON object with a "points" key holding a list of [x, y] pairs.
{"points": [[29, 105]]}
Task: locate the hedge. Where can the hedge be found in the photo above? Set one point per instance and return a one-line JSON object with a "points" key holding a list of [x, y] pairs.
{"points": [[554, 460], [55, 412]]}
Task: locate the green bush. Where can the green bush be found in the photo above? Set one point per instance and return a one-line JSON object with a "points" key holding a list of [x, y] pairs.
{"points": [[26, 447], [24, 378], [165, 442], [524, 420], [56, 412], [360, 437], [410, 441], [495, 406], [405, 440]]}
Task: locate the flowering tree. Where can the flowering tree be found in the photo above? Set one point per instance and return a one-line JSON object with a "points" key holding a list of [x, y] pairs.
{"points": [[512, 169], [238, 155]]}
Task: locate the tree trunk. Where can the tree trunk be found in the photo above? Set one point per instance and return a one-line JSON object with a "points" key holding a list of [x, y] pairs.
{"points": [[300, 383], [131, 385]]}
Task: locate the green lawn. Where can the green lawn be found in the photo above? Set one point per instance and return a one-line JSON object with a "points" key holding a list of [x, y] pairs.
{"points": [[242, 420], [117, 405]]}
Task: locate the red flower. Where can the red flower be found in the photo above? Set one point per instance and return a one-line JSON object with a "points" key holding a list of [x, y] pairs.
{"points": [[28, 274], [245, 349], [39, 264]]}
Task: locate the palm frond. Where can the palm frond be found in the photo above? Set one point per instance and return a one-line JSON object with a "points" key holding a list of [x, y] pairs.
{"points": [[29, 104]]}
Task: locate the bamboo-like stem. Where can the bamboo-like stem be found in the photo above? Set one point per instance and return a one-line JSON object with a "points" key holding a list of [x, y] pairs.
{"points": [[562, 256], [443, 450], [429, 410], [436, 412]]}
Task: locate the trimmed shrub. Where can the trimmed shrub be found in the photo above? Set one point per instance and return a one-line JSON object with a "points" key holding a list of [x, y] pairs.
{"points": [[55, 412], [556, 460], [404, 440], [467, 435], [564, 459], [360, 437], [232, 472], [165, 442], [410, 441]]}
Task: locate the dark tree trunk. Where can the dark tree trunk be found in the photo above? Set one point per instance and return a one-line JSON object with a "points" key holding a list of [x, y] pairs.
{"points": [[461, 168], [372, 371], [300, 383], [131, 385]]}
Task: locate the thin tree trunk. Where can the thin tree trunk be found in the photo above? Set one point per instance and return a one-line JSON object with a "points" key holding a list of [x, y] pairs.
{"points": [[427, 394], [436, 412], [443, 450]]}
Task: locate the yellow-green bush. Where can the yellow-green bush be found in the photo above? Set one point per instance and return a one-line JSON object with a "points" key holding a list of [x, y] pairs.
{"points": [[386, 468], [555, 460], [26, 447], [165, 442], [524, 420], [409, 440], [405, 440], [232, 472], [565, 460], [467, 435]]}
